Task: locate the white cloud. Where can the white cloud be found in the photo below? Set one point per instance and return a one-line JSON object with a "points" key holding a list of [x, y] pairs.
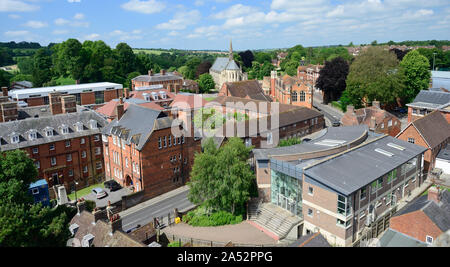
{"points": [[180, 21], [199, 2], [146, 7], [16, 6], [79, 16], [14, 16], [36, 24], [234, 11], [74, 1], [76, 23], [61, 21], [92, 36], [16, 33], [60, 32]]}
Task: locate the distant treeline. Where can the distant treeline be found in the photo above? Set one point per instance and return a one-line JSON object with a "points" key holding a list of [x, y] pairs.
{"points": [[13, 45]]}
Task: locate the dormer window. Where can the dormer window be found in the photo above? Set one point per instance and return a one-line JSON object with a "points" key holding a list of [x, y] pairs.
{"points": [[65, 129], [163, 94], [15, 138], [147, 97], [79, 126], [93, 124], [48, 132], [32, 135], [155, 96]]}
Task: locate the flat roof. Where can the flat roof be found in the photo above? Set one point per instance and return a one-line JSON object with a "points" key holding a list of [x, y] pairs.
{"points": [[445, 153], [351, 170], [72, 89]]}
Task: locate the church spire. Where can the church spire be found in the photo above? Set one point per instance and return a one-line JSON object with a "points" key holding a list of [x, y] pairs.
{"points": [[231, 50]]}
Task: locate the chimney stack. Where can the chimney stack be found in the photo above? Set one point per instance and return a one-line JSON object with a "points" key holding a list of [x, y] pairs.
{"points": [[434, 194], [163, 72], [69, 104], [55, 102], [127, 93], [115, 223], [373, 123], [376, 104], [150, 72], [5, 91], [119, 111], [121, 100], [81, 206], [8, 111]]}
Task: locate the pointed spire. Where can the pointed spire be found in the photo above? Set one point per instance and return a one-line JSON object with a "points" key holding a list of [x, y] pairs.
{"points": [[231, 50]]}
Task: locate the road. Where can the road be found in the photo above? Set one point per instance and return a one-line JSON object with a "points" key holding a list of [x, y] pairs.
{"points": [[144, 213], [330, 113]]}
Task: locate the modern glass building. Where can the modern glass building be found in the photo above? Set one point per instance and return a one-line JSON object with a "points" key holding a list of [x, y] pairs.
{"points": [[286, 186]]}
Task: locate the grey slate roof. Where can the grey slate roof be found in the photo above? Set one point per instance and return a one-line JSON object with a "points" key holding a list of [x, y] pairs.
{"points": [[312, 240], [358, 167], [23, 127], [224, 63], [392, 238], [430, 99], [137, 124], [169, 76], [438, 213], [434, 128], [445, 153]]}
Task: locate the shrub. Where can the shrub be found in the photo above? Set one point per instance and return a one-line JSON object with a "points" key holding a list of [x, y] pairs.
{"points": [[200, 218], [90, 205], [174, 244]]}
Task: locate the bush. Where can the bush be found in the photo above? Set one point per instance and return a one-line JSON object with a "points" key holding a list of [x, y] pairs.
{"points": [[174, 244], [200, 218], [90, 205]]}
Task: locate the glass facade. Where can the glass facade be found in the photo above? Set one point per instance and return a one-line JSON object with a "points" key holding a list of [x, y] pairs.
{"points": [[286, 192]]}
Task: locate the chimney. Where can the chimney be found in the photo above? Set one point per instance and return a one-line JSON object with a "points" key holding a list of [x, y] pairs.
{"points": [[69, 104], [8, 111], [150, 72], [98, 215], [127, 93], [115, 223], [5, 91], [3, 99], [81, 206], [434, 194], [163, 72], [121, 100], [351, 109], [373, 123], [119, 111], [55, 102], [77, 82], [376, 104], [273, 77]]}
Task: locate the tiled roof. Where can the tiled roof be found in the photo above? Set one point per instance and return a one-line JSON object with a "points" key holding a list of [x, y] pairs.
{"points": [[251, 89], [109, 109], [157, 77], [364, 115], [193, 101], [223, 100], [433, 127], [431, 97]]}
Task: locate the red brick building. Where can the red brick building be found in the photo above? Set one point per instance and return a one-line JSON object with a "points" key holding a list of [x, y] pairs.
{"points": [[429, 214], [65, 143], [244, 89], [85, 94], [428, 101], [378, 120], [142, 152], [291, 90], [169, 80], [432, 132]]}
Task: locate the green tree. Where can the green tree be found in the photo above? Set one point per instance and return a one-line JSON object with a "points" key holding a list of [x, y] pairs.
{"points": [[41, 68], [126, 59], [374, 75], [332, 79], [25, 65], [22, 223], [4, 78], [130, 77], [206, 83], [417, 74], [70, 59], [290, 142], [221, 178], [21, 77]]}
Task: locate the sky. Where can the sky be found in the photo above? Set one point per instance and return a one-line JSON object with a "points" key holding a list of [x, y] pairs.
{"points": [[211, 24]]}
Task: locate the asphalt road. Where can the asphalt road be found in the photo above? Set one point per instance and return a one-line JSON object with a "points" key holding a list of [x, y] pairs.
{"points": [[112, 196], [146, 212], [329, 112]]}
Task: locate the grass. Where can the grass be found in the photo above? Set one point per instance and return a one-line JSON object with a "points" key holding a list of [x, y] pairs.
{"points": [[65, 81], [209, 98], [85, 191], [150, 51], [174, 244], [338, 105]]}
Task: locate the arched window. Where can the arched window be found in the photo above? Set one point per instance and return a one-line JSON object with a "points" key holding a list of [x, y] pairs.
{"points": [[294, 97], [302, 96]]}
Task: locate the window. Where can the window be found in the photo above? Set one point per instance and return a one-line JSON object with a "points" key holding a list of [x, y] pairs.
{"points": [[302, 96], [363, 193], [179, 140], [99, 97], [49, 132], [389, 123], [182, 139], [310, 212], [159, 142], [15, 139], [65, 130], [98, 151], [85, 169], [429, 239], [392, 176], [71, 173], [248, 142], [83, 141], [343, 205], [310, 190], [269, 139], [37, 164], [414, 111], [411, 140], [96, 138], [35, 150], [33, 135], [52, 146], [67, 143], [170, 141], [83, 154], [343, 224], [294, 97], [126, 162], [53, 161], [98, 165], [165, 141], [35, 191], [69, 157]]}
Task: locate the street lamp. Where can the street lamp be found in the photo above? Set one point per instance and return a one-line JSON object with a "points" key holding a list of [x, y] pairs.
{"points": [[76, 198]]}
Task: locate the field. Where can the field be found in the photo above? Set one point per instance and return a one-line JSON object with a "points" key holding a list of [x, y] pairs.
{"points": [[151, 51]]}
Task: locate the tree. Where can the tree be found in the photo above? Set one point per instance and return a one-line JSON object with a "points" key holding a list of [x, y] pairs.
{"points": [[399, 53], [126, 59], [4, 78], [332, 79], [203, 68], [130, 77], [417, 74], [41, 68], [70, 59], [205, 83], [22, 223], [374, 75], [221, 178], [25, 65], [192, 65], [247, 58]]}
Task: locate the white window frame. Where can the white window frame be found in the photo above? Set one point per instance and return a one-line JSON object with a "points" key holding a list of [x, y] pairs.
{"points": [[70, 172], [98, 151], [53, 161], [69, 157], [426, 239]]}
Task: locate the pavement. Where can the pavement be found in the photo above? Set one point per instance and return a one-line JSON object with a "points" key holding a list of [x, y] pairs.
{"points": [[331, 113], [159, 206], [112, 196], [242, 233]]}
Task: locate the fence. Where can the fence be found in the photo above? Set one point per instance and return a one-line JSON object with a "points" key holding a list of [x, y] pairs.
{"points": [[208, 243]]}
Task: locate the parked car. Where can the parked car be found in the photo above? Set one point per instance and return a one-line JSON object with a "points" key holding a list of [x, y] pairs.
{"points": [[99, 193], [336, 124], [306, 140], [112, 185]]}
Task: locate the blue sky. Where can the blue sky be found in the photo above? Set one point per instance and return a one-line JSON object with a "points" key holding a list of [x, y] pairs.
{"points": [[210, 24]]}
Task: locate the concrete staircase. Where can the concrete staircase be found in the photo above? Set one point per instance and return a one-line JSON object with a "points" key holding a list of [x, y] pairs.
{"points": [[272, 218]]}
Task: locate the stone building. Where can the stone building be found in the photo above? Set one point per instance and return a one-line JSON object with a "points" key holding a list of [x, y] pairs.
{"points": [[226, 70]]}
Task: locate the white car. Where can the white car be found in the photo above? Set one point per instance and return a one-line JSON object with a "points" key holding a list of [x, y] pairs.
{"points": [[100, 193]]}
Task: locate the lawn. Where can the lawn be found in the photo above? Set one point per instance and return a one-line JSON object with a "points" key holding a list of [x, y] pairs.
{"points": [[151, 51], [209, 98], [85, 191]]}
